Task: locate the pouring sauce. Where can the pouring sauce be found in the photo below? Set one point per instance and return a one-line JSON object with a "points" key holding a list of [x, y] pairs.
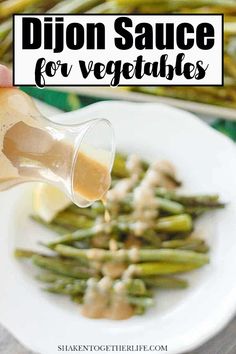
{"points": [[31, 151]]}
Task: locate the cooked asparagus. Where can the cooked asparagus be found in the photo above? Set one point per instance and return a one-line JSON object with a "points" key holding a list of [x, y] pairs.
{"points": [[123, 259]]}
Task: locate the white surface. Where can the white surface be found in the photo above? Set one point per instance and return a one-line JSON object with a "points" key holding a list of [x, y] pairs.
{"points": [[206, 161], [208, 110], [46, 109]]}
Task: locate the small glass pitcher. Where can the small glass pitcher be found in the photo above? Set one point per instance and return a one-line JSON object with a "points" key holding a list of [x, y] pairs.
{"points": [[76, 158]]}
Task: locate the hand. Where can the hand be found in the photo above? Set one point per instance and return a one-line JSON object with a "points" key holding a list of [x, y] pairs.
{"points": [[5, 76]]}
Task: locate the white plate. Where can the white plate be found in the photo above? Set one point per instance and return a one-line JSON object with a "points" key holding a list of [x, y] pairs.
{"points": [[182, 320]]}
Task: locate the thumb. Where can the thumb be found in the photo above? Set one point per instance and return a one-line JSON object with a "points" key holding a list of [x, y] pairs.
{"points": [[5, 76]]}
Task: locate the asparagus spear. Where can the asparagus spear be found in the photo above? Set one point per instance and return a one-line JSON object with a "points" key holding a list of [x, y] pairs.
{"points": [[230, 28], [9, 7], [119, 167], [78, 235], [87, 212], [190, 200], [49, 277], [170, 206], [223, 96], [126, 206], [160, 268], [75, 286], [164, 204], [63, 267], [174, 224], [165, 282], [179, 3], [52, 226], [22, 253], [134, 255], [170, 224], [6, 44], [193, 244], [74, 6], [140, 301], [78, 298], [108, 8], [5, 28], [66, 218]]}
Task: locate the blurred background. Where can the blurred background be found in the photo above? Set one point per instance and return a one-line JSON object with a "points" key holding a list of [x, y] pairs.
{"points": [[211, 101], [220, 96]]}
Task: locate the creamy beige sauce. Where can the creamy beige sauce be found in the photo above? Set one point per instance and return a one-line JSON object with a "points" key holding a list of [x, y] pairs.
{"points": [[133, 164], [144, 202], [29, 151], [113, 245], [113, 270], [14, 107], [107, 214], [166, 172], [101, 302], [105, 300], [165, 167], [103, 307], [91, 178], [129, 272], [121, 189], [119, 309], [124, 186]]}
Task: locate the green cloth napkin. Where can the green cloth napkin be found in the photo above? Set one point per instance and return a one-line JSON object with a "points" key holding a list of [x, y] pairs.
{"points": [[68, 101]]}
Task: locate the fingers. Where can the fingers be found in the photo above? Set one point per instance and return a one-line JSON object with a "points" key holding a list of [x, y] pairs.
{"points": [[5, 76]]}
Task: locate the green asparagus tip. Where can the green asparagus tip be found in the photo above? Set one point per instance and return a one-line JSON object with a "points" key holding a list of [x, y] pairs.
{"points": [[21, 253]]}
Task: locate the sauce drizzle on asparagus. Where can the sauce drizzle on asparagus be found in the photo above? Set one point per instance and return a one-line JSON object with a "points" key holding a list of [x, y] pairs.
{"points": [[114, 254]]}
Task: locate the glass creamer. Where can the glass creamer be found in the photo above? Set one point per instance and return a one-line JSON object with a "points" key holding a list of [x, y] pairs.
{"points": [[76, 158]]}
